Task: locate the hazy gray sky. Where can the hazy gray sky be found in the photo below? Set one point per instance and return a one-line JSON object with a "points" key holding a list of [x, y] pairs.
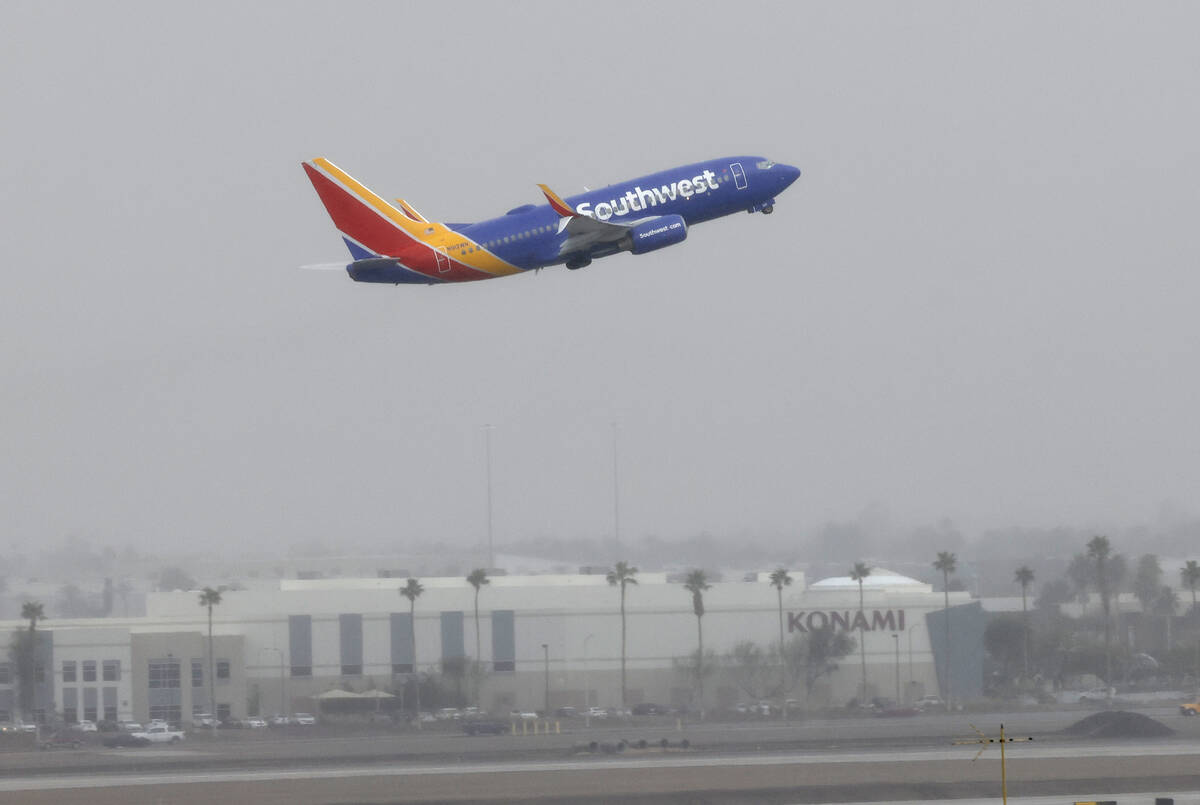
{"points": [[979, 301]]}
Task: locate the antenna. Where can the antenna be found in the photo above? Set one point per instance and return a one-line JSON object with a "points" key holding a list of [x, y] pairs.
{"points": [[986, 742]]}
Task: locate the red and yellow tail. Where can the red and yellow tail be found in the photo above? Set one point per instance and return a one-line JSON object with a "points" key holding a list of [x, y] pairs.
{"points": [[372, 227]]}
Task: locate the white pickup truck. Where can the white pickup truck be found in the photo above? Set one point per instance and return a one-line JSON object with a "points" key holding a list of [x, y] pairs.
{"points": [[160, 734]]}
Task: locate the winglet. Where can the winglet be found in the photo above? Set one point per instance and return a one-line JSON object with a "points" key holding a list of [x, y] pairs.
{"points": [[410, 212], [557, 204]]}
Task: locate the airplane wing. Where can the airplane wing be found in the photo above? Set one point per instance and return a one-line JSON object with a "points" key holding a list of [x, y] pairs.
{"points": [[583, 225]]}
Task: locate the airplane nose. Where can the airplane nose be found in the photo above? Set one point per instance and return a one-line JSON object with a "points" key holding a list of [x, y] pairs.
{"points": [[788, 175]]}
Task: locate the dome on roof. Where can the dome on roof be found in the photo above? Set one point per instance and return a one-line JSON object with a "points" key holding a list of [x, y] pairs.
{"points": [[879, 578]]}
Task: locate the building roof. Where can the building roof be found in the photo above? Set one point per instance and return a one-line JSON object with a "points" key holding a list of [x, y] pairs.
{"points": [[880, 579]]}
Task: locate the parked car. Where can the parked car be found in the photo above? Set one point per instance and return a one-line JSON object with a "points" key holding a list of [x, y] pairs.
{"points": [[204, 721], [278, 721], [304, 719], [63, 739], [649, 709], [486, 726], [447, 714], [1190, 708], [930, 702], [524, 715], [129, 726], [121, 740], [86, 726], [254, 723], [1097, 695], [160, 734], [566, 712], [888, 708], [597, 712]]}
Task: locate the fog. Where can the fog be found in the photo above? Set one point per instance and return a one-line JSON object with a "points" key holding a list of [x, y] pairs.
{"points": [[975, 307]]}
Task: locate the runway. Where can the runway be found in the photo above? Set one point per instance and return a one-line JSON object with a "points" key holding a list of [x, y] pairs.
{"points": [[1071, 770]]}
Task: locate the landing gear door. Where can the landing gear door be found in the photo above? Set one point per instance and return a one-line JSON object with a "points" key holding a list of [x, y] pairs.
{"points": [[739, 175]]}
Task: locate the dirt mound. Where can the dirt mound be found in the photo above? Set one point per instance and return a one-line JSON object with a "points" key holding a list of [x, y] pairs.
{"points": [[1119, 724]]}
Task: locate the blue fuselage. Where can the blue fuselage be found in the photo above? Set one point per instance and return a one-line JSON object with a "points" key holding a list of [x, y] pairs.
{"points": [[528, 236]]}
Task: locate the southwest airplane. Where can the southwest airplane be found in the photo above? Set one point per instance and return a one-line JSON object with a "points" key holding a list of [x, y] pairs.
{"points": [[393, 243]]}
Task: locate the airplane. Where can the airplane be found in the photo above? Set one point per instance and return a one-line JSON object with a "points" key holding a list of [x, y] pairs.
{"points": [[393, 243]]}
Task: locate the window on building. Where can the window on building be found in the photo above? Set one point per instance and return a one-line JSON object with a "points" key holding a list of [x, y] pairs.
{"points": [[5, 674], [89, 713], [68, 667], [170, 713], [350, 644], [112, 671], [89, 670], [300, 644], [39, 716], [110, 712], [503, 641], [39, 673], [163, 674], [197, 673], [223, 712], [222, 671], [5, 715], [70, 715], [402, 668]]}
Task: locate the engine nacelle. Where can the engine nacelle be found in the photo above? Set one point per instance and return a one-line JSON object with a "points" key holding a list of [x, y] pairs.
{"points": [[650, 235]]}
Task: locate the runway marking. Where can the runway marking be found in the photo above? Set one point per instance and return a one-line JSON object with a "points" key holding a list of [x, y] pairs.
{"points": [[1180, 797], [1039, 751]]}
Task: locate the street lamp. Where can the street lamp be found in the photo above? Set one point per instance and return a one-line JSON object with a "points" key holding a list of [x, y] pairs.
{"points": [[487, 430], [587, 687], [896, 638], [910, 660], [546, 656]]}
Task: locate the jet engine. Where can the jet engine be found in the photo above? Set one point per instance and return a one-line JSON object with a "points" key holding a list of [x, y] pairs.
{"points": [[666, 230]]}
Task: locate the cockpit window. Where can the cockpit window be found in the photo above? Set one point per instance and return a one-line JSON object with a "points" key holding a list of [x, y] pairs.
{"points": [[766, 163]]}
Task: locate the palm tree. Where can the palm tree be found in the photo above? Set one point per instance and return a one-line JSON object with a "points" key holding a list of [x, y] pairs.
{"points": [[33, 612], [1189, 576], [477, 579], [210, 598], [25, 646], [412, 590], [859, 573], [1099, 549], [779, 580], [1024, 577], [696, 583], [946, 562], [622, 574]]}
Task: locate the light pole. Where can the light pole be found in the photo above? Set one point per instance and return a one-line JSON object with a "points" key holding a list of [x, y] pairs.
{"points": [[616, 492], [487, 430], [587, 686], [546, 656], [896, 638], [910, 660]]}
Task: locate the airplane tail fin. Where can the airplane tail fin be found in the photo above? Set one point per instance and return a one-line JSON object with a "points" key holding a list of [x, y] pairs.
{"points": [[370, 226]]}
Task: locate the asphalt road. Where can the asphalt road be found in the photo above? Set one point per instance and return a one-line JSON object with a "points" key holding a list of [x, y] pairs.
{"points": [[818, 760]]}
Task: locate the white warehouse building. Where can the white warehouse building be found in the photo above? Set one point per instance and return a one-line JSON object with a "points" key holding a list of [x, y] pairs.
{"points": [[275, 650]]}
